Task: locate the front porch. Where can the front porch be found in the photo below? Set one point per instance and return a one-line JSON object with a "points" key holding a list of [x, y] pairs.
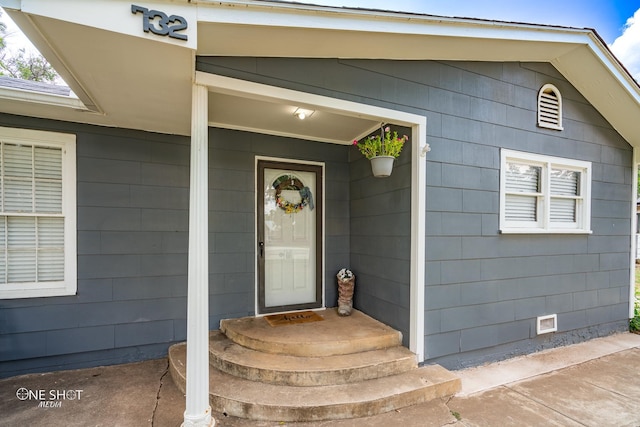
{"points": [[335, 368], [403, 208]]}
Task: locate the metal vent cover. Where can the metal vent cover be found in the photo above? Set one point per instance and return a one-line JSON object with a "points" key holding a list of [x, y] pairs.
{"points": [[546, 324]]}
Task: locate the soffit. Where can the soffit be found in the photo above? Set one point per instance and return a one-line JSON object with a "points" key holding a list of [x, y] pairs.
{"points": [[124, 81]]}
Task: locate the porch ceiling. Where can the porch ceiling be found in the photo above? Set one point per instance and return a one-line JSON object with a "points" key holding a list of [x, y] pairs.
{"points": [[127, 78], [277, 118]]}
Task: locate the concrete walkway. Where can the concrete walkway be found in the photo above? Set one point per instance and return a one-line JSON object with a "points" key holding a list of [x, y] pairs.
{"points": [[596, 383]]}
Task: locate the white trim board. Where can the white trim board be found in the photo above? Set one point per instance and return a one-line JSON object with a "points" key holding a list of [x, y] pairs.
{"points": [[634, 225]]}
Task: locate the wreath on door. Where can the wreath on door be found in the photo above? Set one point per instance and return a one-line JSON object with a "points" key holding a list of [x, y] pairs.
{"points": [[290, 182]]}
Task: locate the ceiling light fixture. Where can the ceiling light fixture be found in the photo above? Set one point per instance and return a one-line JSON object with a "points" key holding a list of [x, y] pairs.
{"points": [[302, 114]]}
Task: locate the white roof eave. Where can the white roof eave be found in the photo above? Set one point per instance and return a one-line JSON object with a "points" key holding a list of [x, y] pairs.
{"points": [[279, 29]]}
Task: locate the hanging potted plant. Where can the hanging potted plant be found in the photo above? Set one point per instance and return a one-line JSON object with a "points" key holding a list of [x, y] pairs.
{"points": [[382, 150]]}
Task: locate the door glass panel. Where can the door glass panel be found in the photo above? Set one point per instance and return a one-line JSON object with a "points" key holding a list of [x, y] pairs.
{"points": [[289, 237]]}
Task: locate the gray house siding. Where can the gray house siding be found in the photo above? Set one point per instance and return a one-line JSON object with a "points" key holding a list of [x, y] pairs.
{"points": [[132, 201], [132, 195], [381, 239], [483, 290], [232, 202]]}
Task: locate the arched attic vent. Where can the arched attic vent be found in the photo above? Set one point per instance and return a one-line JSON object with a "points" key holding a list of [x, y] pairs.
{"points": [[550, 107]]}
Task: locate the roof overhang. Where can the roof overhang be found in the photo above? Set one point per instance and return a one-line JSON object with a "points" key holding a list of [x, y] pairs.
{"points": [[125, 77]]}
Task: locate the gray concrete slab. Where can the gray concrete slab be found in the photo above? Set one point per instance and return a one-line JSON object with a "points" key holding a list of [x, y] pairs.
{"points": [[599, 393], [575, 398], [123, 395], [597, 384], [492, 375], [506, 408]]}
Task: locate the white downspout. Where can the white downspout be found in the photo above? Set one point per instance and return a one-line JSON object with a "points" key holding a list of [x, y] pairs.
{"points": [[418, 227], [198, 410], [634, 225]]}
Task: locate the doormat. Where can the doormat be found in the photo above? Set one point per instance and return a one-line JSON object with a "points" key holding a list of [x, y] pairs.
{"points": [[293, 318]]}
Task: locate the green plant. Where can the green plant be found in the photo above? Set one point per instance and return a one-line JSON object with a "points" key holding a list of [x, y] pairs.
{"points": [[385, 144], [634, 323]]}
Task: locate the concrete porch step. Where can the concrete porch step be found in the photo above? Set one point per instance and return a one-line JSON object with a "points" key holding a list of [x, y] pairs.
{"points": [[336, 368], [333, 336], [269, 402], [253, 365]]}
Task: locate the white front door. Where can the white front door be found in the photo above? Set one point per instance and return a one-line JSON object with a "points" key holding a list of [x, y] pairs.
{"points": [[289, 236]]}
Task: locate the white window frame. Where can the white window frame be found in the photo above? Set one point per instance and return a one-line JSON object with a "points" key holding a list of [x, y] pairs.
{"points": [[67, 142], [543, 223]]}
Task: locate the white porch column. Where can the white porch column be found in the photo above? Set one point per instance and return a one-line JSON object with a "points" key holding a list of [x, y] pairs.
{"points": [[198, 410]]}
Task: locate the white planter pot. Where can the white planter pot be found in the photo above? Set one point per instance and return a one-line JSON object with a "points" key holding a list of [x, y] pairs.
{"points": [[381, 166]]}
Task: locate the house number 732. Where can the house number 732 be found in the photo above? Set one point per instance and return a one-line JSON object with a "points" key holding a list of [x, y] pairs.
{"points": [[159, 23]]}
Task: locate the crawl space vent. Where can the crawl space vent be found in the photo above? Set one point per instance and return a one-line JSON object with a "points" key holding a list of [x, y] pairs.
{"points": [[547, 324]]}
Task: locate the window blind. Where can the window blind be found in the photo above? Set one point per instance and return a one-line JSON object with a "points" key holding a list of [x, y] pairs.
{"points": [[564, 183], [519, 208], [31, 225], [524, 181]]}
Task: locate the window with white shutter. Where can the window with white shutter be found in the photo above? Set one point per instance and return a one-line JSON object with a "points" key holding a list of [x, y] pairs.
{"points": [[550, 107], [543, 194], [37, 214]]}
